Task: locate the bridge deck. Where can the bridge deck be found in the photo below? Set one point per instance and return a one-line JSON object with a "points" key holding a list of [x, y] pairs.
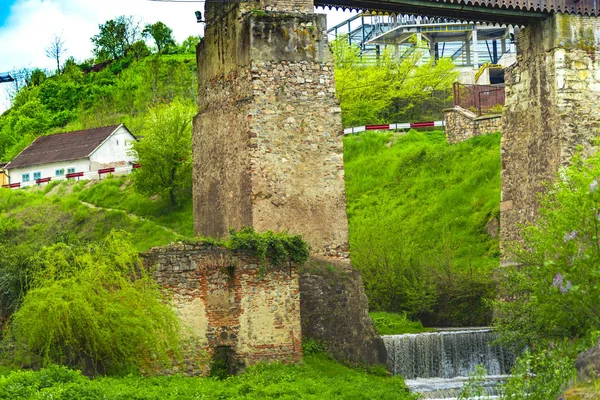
{"points": [[516, 12]]}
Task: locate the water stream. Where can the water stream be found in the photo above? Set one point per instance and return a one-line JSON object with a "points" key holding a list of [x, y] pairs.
{"points": [[438, 364]]}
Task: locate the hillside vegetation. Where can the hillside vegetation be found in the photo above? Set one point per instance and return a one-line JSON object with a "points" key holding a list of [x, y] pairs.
{"points": [[391, 90], [44, 216], [419, 211], [122, 92]]}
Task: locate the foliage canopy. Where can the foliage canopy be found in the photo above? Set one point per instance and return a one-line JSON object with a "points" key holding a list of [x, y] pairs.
{"points": [[390, 90], [165, 152], [162, 35]]}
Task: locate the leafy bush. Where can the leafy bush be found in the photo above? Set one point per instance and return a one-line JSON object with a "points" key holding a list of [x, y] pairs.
{"points": [[554, 289], [277, 247], [548, 301], [543, 373], [475, 386], [16, 267], [94, 308], [395, 324], [312, 346]]}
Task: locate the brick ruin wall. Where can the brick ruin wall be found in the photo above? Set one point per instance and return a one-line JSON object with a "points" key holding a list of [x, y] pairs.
{"points": [[552, 103], [225, 300], [267, 137], [461, 124]]}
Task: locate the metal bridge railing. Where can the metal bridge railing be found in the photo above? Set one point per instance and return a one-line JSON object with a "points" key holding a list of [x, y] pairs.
{"points": [[478, 98]]}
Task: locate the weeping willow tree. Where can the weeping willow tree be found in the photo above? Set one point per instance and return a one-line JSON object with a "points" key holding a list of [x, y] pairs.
{"points": [[94, 308]]}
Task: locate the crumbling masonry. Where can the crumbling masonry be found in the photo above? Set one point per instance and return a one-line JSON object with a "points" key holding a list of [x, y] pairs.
{"points": [[267, 143], [552, 106]]}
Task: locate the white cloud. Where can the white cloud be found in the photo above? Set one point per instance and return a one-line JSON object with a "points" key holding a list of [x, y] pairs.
{"points": [[32, 24]]}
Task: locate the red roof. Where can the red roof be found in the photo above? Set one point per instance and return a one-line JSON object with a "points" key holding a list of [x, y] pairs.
{"points": [[62, 147]]}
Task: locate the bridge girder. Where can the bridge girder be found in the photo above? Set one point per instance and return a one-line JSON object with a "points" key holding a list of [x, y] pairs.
{"points": [[462, 12]]}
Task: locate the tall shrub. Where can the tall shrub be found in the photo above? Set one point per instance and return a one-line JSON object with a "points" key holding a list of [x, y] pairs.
{"points": [[96, 309], [165, 152], [549, 300], [553, 291]]}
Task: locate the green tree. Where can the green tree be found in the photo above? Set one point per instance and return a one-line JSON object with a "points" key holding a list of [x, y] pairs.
{"points": [[94, 308], [165, 153], [162, 35], [391, 90], [555, 287], [139, 50], [188, 46], [115, 38]]}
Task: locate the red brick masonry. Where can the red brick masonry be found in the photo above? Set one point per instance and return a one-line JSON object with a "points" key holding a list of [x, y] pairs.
{"points": [[225, 298]]}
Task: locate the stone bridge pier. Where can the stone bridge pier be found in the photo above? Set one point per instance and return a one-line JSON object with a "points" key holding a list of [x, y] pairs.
{"points": [[267, 141], [552, 107]]}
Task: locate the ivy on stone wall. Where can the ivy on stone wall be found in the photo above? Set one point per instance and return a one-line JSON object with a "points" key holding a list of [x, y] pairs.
{"points": [[277, 247]]}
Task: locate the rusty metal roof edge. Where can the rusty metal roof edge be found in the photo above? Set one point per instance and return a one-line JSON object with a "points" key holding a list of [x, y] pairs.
{"points": [[522, 8]]}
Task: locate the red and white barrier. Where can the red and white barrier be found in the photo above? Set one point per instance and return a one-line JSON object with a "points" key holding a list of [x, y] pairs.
{"points": [[89, 175], [404, 125]]}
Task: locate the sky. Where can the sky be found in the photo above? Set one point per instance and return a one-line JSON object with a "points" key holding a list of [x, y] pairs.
{"points": [[28, 26]]}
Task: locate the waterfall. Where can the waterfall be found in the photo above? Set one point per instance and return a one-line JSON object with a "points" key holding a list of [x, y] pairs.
{"points": [[438, 364]]}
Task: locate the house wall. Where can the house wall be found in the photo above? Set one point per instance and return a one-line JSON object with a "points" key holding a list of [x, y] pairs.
{"points": [[47, 170], [3, 177], [113, 152]]}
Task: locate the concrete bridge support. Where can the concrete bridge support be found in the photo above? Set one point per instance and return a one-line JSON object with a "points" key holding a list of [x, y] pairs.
{"points": [[267, 142], [552, 106]]}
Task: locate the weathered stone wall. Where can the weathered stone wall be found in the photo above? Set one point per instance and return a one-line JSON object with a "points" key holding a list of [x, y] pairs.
{"points": [[334, 309], [268, 153], [552, 103], [225, 299], [267, 147], [461, 124]]}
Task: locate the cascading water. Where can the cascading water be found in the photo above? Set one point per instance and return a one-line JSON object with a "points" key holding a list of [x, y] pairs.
{"points": [[438, 364]]}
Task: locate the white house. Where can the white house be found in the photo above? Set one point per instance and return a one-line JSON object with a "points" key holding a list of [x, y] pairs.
{"points": [[83, 153]]}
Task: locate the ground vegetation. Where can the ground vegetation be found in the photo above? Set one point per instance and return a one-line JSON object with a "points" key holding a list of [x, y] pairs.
{"points": [[423, 223]]}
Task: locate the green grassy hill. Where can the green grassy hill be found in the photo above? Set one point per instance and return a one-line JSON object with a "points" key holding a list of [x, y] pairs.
{"points": [[42, 216], [419, 211]]}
